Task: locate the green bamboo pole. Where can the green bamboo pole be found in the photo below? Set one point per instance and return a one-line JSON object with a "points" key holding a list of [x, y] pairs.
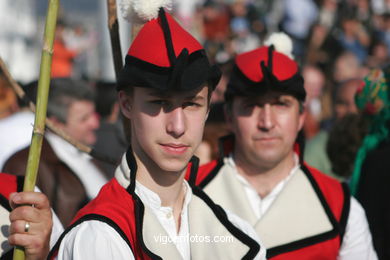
{"points": [[40, 116]]}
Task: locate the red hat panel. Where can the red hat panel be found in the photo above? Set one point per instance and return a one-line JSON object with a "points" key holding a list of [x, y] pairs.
{"points": [[249, 63], [147, 46]]}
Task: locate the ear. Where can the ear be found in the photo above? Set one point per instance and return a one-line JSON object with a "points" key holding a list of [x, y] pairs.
{"points": [[125, 103], [302, 117], [207, 113], [228, 116], [57, 122]]}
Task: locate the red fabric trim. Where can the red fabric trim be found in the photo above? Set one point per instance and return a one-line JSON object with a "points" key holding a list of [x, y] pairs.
{"points": [[249, 63], [8, 184], [204, 171], [115, 203], [147, 46]]}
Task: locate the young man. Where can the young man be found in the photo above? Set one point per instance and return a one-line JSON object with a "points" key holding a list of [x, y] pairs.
{"points": [[297, 211], [148, 211]]}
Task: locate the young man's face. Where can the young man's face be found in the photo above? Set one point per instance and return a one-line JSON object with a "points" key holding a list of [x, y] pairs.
{"points": [[265, 129], [165, 129], [82, 122]]}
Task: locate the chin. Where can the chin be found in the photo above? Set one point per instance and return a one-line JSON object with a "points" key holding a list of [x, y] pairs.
{"points": [[174, 165]]}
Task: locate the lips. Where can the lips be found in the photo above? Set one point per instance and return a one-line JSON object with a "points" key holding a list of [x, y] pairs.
{"points": [[175, 149]]}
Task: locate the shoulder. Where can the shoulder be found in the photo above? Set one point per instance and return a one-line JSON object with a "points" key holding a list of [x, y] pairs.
{"points": [[93, 239], [335, 193], [208, 171]]}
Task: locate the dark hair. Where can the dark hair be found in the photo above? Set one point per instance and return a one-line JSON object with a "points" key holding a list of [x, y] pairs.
{"points": [[63, 92], [106, 97], [229, 103], [344, 141], [210, 86]]}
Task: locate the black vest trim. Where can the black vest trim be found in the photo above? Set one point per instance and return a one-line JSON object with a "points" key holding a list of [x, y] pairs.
{"points": [[222, 154], [19, 183], [213, 173], [272, 252], [345, 211], [4, 202], [9, 255], [220, 213], [139, 213], [87, 217]]}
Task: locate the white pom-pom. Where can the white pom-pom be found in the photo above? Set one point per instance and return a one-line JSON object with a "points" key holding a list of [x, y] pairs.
{"points": [[145, 10], [282, 43]]}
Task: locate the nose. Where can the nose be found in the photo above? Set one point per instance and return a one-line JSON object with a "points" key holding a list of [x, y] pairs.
{"points": [[176, 124], [266, 121], [94, 121]]}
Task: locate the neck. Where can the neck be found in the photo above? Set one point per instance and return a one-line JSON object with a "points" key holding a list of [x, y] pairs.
{"points": [[264, 178], [166, 184]]}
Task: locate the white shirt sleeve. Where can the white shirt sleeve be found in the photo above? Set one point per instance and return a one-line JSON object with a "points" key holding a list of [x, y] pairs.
{"points": [[357, 241], [247, 229], [56, 230], [96, 240]]}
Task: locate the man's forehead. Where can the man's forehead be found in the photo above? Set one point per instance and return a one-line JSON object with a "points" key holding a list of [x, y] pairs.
{"points": [[269, 95]]}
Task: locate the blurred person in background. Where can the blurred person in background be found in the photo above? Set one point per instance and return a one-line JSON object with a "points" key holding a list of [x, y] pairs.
{"points": [[295, 17], [345, 67], [317, 100], [316, 148], [354, 37], [68, 177], [111, 139], [16, 120], [372, 164], [63, 56]]}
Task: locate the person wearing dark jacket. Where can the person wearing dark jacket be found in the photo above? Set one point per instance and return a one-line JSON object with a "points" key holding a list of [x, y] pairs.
{"points": [[370, 178]]}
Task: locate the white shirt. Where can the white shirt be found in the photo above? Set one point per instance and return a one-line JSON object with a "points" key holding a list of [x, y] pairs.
{"points": [[97, 240], [357, 241], [16, 131]]}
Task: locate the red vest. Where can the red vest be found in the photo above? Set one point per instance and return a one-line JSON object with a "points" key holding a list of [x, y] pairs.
{"points": [[121, 216], [125, 216], [334, 197], [9, 184]]}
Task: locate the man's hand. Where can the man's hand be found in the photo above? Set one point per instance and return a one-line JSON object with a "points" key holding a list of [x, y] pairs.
{"points": [[31, 225]]}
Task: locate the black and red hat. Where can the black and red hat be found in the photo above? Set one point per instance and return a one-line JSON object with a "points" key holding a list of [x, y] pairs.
{"points": [[263, 69], [164, 56]]}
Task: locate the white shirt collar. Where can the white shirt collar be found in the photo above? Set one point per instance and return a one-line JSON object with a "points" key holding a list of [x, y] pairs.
{"points": [[151, 199], [230, 161], [261, 205]]}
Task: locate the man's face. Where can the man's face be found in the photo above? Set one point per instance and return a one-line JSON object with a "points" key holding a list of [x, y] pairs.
{"points": [[82, 122], [345, 99], [165, 129], [265, 129]]}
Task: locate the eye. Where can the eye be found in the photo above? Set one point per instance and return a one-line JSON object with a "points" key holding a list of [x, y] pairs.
{"points": [[281, 103], [191, 104], [160, 102]]}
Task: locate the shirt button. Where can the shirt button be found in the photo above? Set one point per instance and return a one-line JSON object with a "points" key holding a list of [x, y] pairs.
{"points": [[169, 215]]}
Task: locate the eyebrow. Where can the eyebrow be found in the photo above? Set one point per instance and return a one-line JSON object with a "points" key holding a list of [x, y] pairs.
{"points": [[160, 94]]}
